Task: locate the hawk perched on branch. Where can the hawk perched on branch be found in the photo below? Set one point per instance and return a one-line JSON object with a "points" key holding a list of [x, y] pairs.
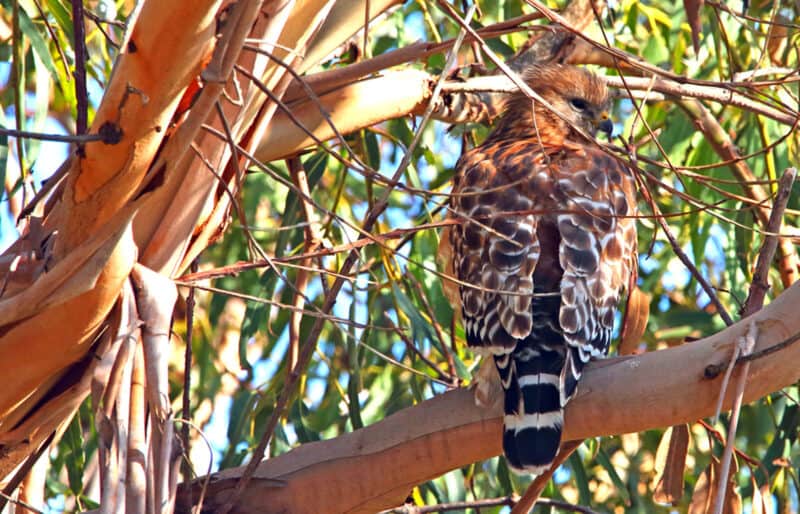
{"points": [[545, 245]]}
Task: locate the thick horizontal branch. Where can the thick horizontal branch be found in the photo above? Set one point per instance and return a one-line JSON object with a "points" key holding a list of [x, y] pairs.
{"points": [[395, 94], [374, 468], [364, 103]]}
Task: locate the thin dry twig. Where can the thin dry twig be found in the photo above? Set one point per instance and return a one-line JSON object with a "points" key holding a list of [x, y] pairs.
{"points": [[312, 242], [754, 302], [100, 22], [283, 306], [760, 285], [59, 138], [769, 350], [752, 461], [436, 327], [236, 200], [723, 93], [187, 376], [707, 288], [725, 380], [79, 48], [198, 508], [336, 77], [531, 496], [20, 503], [444, 377], [508, 501], [53, 37]]}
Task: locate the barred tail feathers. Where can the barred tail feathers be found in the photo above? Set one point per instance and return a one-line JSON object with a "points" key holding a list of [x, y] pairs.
{"points": [[533, 405]]}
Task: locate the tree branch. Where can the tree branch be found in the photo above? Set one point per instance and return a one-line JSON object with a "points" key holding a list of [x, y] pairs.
{"points": [[375, 467], [393, 94]]}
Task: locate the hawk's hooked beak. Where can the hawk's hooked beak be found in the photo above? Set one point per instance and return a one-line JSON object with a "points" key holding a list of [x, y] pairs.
{"points": [[604, 124]]}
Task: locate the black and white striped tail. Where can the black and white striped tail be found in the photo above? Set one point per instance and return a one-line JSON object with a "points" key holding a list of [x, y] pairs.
{"points": [[531, 379]]}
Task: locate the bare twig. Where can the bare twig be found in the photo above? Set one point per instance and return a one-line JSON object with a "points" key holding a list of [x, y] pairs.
{"points": [[61, 138], [569, 507], [56, 43], [508, 501], [725, 380], [253, 244], [312, 243], [531, 496], [99, 22], [712, 295], [336, 77], [187, 377], [741, 15], [723, 93], [755, 299], [204, 487], [770, 349], [20, 503], [287, 307], [444, 377], [760, 285], [236, 200], [79, 47], [436, 327], [17, 78], [752, 461]]}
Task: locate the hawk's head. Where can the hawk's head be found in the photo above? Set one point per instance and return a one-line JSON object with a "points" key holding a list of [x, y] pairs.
{"points": [[579, 97]]}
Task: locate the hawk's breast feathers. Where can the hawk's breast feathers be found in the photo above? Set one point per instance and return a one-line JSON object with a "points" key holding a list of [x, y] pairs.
{"points": [[543, 246]]}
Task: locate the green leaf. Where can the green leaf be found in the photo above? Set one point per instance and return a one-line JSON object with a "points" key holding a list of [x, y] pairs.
{"points": [[420, 328], [354, 375], [255, 314], [63, 16], [75, 460], [504, 476], [581, 479], [296, 414], [38, 43], [785, 438], [354, 405]]}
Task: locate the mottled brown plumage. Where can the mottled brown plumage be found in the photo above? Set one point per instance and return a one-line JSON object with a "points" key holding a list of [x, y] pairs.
{"points": [[544, 249]]}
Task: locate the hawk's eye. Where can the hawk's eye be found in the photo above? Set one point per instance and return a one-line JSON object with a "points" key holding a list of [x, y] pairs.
{"points": [[578, 104]]}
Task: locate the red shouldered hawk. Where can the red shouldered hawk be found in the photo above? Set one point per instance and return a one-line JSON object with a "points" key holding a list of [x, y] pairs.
{"points": [[545, 245]]}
